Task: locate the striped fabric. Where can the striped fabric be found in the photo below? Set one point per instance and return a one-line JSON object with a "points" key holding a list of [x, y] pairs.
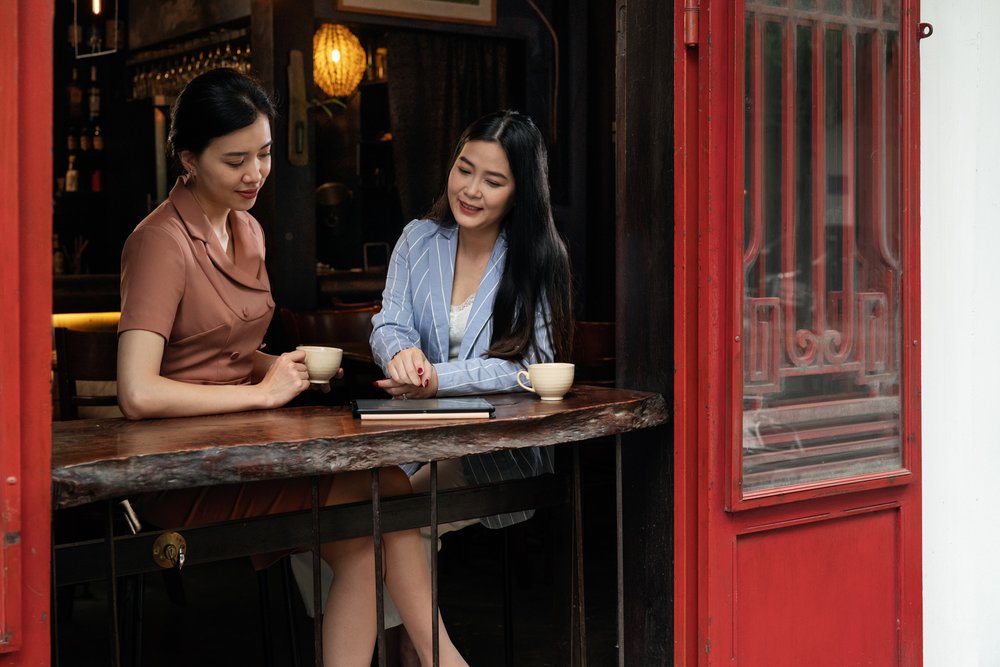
{"points": [[415, 308]]}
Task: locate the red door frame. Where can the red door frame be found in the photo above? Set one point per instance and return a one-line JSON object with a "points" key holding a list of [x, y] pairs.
{"points": [[25, 338], [706, 162]]}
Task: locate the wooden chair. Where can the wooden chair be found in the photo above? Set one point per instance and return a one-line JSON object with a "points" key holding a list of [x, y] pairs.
{"points": [[347, 329], [327, 327], [84, 356], [594, 353]]}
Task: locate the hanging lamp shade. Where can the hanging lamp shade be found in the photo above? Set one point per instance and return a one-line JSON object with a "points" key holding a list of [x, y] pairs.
{"points": [[339, 60]]}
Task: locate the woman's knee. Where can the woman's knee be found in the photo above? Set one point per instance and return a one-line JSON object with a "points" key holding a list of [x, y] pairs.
{"points": [[358, 552], [394, 482]]}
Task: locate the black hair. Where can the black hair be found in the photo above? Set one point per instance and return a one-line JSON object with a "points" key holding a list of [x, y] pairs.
{"points": [[536, 275], [212, 105]]}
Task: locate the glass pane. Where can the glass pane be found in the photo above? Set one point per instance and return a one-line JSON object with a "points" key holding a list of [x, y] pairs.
{"points": [[891, 9], [835, 7], [864, 9], [821, 261], [805, 4]]}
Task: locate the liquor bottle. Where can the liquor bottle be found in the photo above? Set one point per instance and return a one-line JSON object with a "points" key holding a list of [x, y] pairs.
{"points": [[94, 39], [72, 139], [73, 33], [97, 139], [72, 175], [95, 178], [84, 138], [94, 94], [74, 97], [58, 257]]}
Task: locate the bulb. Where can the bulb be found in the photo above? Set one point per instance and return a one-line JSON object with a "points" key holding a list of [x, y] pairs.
{"points": [[95, 6], [335, 56]]}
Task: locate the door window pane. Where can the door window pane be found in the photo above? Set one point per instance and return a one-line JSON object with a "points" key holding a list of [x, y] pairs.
{"points": [[821, 255]]}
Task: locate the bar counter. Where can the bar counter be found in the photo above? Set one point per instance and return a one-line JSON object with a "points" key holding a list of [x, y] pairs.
{"points": [[96, 459]]}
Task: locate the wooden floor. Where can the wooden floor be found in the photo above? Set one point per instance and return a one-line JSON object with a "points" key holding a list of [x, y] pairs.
{"points": [[220, 620]]}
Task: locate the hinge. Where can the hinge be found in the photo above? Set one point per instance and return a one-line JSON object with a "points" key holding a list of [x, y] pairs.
{"points": [[924, 30], [691, 9], [621, 30]]}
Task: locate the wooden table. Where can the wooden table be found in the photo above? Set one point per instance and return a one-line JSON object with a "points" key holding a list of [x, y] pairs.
{"points": [[103, 458]]}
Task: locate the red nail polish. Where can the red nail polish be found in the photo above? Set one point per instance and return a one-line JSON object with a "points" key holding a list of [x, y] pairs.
{"points": [[426, 382], [420, 371], [375, 383]]}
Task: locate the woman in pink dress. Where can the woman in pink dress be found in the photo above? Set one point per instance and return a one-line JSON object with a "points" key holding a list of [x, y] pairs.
{"points": [[196, 302]]}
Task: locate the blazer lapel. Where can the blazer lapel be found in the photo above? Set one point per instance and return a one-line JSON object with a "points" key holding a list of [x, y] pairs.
{"points": [[482, 307], [442, 279]]}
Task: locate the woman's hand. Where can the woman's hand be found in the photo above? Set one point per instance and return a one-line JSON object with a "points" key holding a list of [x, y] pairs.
{"points": [[285, 379], [411, 375]]}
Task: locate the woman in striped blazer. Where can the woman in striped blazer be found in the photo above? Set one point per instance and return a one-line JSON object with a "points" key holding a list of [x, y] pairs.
{"points": [[479, 289]]}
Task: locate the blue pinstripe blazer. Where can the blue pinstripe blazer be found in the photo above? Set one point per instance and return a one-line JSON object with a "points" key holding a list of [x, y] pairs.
{"points": [[415, 308]]}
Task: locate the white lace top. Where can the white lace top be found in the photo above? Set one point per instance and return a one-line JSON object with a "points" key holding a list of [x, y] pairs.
{"points": [[458, 319]]}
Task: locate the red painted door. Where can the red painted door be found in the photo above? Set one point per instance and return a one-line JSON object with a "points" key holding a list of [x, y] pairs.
{"points": [[25, 316], [798, 338]]}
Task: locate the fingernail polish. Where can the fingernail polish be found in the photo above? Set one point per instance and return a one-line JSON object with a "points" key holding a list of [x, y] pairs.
{"points": [[420, 371], [375, 383], [426, 382]]}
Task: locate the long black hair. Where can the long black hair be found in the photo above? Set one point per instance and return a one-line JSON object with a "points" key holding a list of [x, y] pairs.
{"points": [[536, 276], [212, 105]]}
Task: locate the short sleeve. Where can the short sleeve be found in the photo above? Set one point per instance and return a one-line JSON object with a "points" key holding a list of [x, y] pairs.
{"points": [[152, 281]]}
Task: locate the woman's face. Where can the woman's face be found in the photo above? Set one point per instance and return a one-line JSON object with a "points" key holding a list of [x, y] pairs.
{"points": [[481, 187], [232, 168]]}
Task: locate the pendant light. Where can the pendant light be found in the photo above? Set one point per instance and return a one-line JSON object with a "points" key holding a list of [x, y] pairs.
{"points": [[339, 60]]}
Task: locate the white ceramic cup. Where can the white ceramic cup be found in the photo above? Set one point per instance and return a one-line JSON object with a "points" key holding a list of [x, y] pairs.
{"points": [[550, 381], [321, 362]]}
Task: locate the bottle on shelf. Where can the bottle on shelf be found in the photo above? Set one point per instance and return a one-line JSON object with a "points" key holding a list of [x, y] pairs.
{"points": [[95, 41], [95, 179], [72, 139], [84, 138], [58, 257], [74, 96], [97, 139], [73, 33], [72, 175], [94, 94]]}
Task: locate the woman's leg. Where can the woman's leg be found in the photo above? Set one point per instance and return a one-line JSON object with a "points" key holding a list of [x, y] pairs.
{"points": [[349, 618], [409, 582], [349, 623]]}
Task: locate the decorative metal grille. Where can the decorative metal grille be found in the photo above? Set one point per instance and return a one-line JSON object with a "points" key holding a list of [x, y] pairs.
{"points": [[821, 232]]}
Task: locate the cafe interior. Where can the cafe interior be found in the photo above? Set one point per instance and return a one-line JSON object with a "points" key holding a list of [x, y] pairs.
{"points": [[371, 95]]}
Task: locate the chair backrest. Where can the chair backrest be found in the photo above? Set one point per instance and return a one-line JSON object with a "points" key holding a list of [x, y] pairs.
{"points": [[84, 356], [327, 327], [594, 352]]}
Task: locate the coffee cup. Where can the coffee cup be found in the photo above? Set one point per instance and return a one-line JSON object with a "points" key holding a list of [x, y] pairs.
{"points": [[321, 362], [550, 381]]}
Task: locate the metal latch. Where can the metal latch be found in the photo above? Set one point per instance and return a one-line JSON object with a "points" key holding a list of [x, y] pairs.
{"points": [[170, 550]]}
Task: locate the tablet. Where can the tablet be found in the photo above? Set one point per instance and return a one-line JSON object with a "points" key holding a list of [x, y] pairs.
{"points": [[422, 408]]}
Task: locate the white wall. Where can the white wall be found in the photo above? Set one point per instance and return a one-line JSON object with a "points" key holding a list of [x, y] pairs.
{"points": [[960, 190]]}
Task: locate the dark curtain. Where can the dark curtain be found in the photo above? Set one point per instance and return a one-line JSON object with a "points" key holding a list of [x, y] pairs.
{"points": [[438, 84]]}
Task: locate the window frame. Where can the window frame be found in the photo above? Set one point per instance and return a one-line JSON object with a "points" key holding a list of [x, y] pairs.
{"points": [[732, 249]]}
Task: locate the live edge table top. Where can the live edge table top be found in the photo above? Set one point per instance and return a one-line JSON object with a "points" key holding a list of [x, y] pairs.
{"points": [[94, 459]]}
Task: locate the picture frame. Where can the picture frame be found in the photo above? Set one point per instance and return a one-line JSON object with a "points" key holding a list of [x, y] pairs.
{"points": [[477, 12]]}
